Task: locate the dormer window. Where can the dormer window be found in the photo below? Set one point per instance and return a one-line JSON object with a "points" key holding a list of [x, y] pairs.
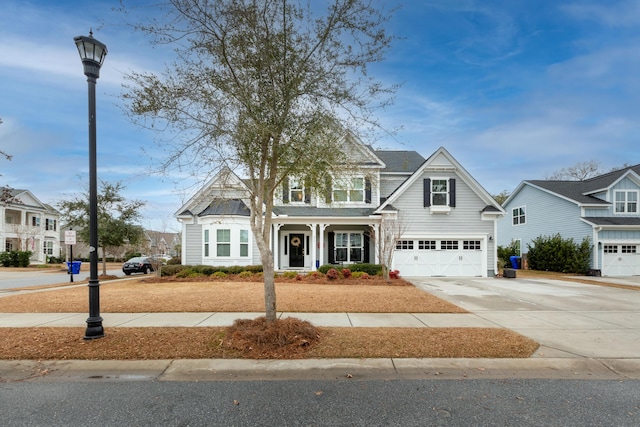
{"points": [[296, 190], [439, 194], [626, 201]]}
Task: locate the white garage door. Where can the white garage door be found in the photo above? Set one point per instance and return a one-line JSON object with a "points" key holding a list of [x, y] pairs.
{"points": [[439, 257], [621, 260]]}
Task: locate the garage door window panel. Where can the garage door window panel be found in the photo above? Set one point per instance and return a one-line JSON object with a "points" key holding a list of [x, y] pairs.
{"points": [[449, 245]]}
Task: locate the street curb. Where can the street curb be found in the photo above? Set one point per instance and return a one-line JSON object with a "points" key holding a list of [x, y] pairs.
{"points": [[317, 369]]}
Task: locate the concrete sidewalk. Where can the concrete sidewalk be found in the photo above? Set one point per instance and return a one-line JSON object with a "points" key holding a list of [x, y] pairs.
{"points": [[123, 320]]}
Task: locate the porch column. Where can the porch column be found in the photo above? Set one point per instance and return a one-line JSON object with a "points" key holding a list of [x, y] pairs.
{"points": [[314, 245], [376, 246], [322, 227], [276, 245]]}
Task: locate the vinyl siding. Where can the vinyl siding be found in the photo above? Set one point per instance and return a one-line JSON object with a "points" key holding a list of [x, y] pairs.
{"points": [[193, 250], [546, 215], [465, 220]]}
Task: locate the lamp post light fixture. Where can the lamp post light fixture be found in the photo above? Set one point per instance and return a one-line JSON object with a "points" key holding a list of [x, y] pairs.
{"points": [[92, 54]]}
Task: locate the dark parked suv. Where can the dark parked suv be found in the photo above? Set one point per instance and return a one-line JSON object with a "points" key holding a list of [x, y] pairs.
{"points": [[138, 265]]}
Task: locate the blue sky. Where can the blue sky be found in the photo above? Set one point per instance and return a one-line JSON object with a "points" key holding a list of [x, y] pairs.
{"points": [[514, 89]]}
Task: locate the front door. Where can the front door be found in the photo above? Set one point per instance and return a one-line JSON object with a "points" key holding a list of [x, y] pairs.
{"points": [[296, 250]]}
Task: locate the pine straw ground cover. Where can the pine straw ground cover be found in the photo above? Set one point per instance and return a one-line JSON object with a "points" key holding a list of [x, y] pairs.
{"points": [[285, 339]]}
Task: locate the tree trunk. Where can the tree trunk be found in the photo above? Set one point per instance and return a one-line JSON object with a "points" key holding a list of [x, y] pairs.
{"points": [[269, 286]]}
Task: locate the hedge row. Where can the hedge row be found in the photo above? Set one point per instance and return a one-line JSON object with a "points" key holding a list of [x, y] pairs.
{"points": [[208, 270], [370, 269]]}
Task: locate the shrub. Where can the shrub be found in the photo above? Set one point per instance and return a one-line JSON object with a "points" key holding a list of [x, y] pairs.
{"points": [[360, 275], [346, 273], [187, 272], [176, 260], [371, 269], [245, 273], [219, 274], [173, 270], [315, 275], [333, 274], [289, 274], [560, 255], [16, 258]]}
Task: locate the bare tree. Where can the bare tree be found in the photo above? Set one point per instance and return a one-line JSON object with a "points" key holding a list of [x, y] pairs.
{"points": [[266, 87], [579, 172], [392, 227], [501, 197]]}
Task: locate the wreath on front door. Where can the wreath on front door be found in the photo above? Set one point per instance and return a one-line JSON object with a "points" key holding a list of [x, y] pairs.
{"points": [[295, 241]]}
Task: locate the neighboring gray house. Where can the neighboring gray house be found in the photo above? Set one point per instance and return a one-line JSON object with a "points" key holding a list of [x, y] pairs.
{"points": [[603, 209], [449, 220]]}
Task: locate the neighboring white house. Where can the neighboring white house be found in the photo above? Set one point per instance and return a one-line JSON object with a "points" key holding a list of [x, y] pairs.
{"points": [[603, 209], [449, 220], [27, 224]]}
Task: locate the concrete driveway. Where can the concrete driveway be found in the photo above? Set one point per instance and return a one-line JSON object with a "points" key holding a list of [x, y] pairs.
{"points": [[568, 319]]}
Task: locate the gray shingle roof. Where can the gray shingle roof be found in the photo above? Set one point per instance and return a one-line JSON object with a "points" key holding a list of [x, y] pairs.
{"points": [[400, 161], [613, 220], [226, 207], [312, 211], [579, 190]]}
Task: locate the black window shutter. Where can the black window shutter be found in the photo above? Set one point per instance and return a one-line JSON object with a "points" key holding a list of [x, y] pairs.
{"points": [[285, 191], [366, 249], [307, 194], [331, 246], [426, 189], [328, 190], [452, 192], [367, 190]]}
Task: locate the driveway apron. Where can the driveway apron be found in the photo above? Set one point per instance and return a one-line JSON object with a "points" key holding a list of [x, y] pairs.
{"points": [[568, 319]]}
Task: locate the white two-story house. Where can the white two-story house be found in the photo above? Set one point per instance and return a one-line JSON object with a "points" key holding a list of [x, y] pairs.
{"points": [[27, 224], [448, 219]]}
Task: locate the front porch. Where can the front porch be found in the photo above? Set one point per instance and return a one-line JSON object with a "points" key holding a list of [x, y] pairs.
{"points": [[305, 247]]}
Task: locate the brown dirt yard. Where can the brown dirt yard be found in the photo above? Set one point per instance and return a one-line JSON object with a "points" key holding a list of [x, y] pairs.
{"points": [[288, 339]]}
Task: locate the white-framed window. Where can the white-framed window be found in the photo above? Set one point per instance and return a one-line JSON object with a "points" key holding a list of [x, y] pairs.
{"points": [[439, 192], [206, 242], [628, 249], [48, 248], [223, 242], [244, 243], [296, 190], [610, 249], [349, 247], [626, 201], [519, 215], [35, 221], [50, 224], [348, 189]]}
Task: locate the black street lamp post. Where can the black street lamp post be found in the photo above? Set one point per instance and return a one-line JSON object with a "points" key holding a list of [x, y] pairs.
{"points": [[92, 54]]}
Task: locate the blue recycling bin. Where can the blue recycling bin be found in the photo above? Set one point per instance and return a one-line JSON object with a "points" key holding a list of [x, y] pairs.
{"points": [[515, 262], [74, 267]]}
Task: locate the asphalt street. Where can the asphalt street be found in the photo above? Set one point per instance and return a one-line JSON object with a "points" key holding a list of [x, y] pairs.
{"points": [[337, 402], [23, 279]]}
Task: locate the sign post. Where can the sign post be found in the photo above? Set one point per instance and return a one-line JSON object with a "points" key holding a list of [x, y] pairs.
{"points": [[70, 239]]}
